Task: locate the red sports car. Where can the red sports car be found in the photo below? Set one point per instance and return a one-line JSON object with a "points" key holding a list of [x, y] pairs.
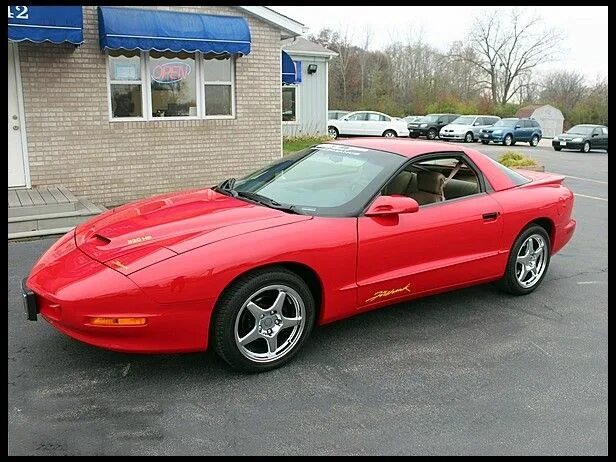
{"points": [[249, 266]]}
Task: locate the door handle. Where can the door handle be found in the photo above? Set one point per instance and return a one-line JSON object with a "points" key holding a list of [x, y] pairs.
{"points": [[490, 216]]}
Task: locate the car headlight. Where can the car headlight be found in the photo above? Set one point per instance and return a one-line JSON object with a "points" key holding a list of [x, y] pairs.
{"points": [[497, 132], [423, 125], [577, 140]]}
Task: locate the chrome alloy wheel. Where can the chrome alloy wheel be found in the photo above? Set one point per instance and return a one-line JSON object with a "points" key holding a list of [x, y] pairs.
{"points": [[531, 261], [270, 323]]}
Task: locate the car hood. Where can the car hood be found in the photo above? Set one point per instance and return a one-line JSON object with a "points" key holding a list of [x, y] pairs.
{"points": [[142, 233]]}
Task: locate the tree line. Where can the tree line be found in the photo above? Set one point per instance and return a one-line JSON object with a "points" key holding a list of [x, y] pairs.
{"points": [[493, 71]]}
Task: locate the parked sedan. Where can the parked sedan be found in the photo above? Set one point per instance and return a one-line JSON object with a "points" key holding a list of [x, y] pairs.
{"points": [[367, 123], [582, 137], [511, 130], [467, 128], [250, 266]]}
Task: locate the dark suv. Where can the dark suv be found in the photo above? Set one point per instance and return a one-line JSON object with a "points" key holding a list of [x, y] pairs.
{"points": [[430, 125], [511, 130]]}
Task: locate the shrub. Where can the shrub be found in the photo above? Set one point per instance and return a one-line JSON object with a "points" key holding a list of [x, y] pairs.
{"points": [[516, 159], [292, 144]]}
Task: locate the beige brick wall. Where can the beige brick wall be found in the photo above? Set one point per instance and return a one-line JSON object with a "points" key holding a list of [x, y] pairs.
{"points": [[72, 142]]}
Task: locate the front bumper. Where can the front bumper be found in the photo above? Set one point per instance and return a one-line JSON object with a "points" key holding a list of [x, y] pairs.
{"points": [[567, 144], [69, 288], [418, 131], [451, 136], [491, 137]]}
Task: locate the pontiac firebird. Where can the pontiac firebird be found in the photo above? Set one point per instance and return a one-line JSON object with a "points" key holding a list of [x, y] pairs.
{"points": [[250, 265]]}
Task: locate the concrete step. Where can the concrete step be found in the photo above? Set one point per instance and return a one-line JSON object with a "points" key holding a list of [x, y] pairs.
{"points": [[30, 210], [42, 224]]}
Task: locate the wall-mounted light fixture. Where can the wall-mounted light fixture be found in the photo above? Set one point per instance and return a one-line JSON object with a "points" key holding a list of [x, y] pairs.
{"points": [[312, 68]]}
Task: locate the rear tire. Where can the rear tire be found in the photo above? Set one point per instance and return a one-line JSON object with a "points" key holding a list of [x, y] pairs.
{"points": [[431, 134], [518, 278], [534, 141], [253, 333], [390, 134]]}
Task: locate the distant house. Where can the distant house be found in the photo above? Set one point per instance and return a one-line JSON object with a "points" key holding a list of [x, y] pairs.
{"points": [[304, 87], [550, 118]]}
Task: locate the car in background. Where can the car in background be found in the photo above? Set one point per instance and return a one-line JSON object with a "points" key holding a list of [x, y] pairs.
{"points": [[430, 125], [335, 114], [410, 119], [367, 123], [467, 127], [511, 130], [582, 137]]}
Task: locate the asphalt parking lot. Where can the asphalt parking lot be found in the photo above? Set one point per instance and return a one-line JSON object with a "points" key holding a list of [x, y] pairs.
{"points": [[466, 373]]}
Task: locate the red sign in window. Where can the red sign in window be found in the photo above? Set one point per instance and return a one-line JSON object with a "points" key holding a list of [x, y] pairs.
{"points": [[170, 72]]}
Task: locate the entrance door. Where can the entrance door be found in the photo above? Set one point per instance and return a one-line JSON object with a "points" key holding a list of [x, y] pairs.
{"points": [[17, 172]]}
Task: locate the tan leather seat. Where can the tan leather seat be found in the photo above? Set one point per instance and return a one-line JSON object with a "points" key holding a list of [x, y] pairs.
{"points": [[430, 187], [403, 184]]}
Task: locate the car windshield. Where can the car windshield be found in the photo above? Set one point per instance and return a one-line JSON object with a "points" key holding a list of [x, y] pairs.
{"points": [[430, 118], [580, 130], [464, 120], [505, 123], [324, 180]]}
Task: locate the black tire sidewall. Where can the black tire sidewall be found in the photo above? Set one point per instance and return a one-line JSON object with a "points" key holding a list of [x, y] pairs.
{"points": [[390, 131], [229, 304], [511, 282], [335, 130], [485, 142]]}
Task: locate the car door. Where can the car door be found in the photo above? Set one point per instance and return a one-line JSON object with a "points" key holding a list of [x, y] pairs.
{"points": [[375, 124], [522, 131], [596, 140], [353, 124], [444, 244]]}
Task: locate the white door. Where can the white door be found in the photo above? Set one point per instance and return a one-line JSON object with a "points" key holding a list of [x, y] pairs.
{"points": [[17, 171]]}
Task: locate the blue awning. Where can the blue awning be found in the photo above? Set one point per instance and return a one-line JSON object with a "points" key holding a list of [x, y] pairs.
{"points": [[56, 24], [132, 28], [288, 69]]}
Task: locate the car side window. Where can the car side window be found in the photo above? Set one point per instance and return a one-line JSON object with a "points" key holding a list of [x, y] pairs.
{"points": [[372, 117], [435, 180], [481, 121], [536, 124], [384, 118], [527, 124], [604, 129], [359, 116], [597, 131]]}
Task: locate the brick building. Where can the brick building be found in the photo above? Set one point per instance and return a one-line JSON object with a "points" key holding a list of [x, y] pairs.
{"points": [[118, 103]]}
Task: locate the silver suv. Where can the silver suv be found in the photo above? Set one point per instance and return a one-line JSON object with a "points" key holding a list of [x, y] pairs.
{"points": [[467, 127]]}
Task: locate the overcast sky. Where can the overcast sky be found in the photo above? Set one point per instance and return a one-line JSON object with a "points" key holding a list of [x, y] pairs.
{"points": [[584, 27]]}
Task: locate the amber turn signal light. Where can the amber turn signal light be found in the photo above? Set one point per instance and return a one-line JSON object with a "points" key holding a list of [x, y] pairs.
{"points": [[118, 321]]}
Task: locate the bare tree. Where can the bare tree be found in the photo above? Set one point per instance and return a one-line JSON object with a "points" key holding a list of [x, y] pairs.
{"points": [[563, 88], [363, 56], [344, 49], [509, 48]]}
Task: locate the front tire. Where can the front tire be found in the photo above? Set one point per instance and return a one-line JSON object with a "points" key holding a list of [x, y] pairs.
{"points": [[586, 146], [431, 134], [332, 132], [262, 320], [528, 261], [485, 142], [414, 135], [556, 148], [508, 140], [390, 134], [468, 138]]}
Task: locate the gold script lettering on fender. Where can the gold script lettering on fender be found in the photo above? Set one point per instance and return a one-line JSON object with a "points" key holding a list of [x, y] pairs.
{"points": [[389, 293], [139, 239]]}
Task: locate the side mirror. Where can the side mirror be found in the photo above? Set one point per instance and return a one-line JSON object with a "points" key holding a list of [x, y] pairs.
{"points": [[595, 134], [392, 205], [518, 126], [476, 124]]}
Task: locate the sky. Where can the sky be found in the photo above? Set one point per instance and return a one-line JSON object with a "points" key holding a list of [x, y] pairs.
{"points": [[584, 28]]}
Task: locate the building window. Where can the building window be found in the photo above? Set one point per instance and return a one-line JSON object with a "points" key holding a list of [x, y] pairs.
{"points": [[125, 84], [173, 84], [218, 86], [156, 85], [289, 104]]}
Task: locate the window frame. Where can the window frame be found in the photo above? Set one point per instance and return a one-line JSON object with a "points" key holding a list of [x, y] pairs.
{"points": [[146, 91], [297, 106]]}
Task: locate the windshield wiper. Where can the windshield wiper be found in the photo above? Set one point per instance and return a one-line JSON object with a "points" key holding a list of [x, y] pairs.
{"points": [[263, 200], [226, 186]]}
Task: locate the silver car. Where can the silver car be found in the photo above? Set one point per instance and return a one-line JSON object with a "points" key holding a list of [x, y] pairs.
{"points": [[467, 127]]}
